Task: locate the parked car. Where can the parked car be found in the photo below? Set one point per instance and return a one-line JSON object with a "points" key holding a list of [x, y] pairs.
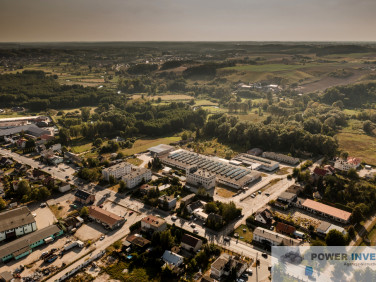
{"points": [[195, 231], [101, 238], [265, 255], [193, 225], [43, 205], [174, 217], [227, 239]]}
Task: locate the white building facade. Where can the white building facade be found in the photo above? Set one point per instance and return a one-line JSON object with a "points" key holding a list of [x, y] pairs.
{"points": [[136, 176], [116, 171]]}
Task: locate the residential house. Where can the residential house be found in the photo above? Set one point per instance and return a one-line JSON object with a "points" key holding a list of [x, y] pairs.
{"points": [[138, 241], [84, 197], [167, 202], [346, 165], [187, 199], [191, 243], [200, 214], [265, 217], [15, 223], [271, 238], [107, 219], [225, 263], [194, 206], [152, 223], [172, 259], [285, 229]]}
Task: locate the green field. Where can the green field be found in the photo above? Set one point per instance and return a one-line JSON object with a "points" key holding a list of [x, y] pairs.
{"points": [[141, 145], [246, 236], [271, 67], [358, 145]]}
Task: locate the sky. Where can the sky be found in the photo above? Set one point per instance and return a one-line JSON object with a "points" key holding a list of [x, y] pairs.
{"points": [[188, 20]]}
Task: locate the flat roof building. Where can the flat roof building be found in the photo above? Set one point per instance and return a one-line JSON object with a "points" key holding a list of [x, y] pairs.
{"points": [[153, 223], [226, 174], [117, 170], [136, 176], [251, 160], [281, 158], [160, 150]]}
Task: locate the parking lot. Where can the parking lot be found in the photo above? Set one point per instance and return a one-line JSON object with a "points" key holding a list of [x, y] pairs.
{"points": [[43, 216], [90, 231]]}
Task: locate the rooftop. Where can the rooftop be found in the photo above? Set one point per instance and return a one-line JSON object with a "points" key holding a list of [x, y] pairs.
{"points": [[15, 218], [136, 172], [82, 194], [329, 210], [190, 240], [24, 242], [117, 166], [153, 220], [104, 216], [160, 148], [275, 237], [138, 240]]}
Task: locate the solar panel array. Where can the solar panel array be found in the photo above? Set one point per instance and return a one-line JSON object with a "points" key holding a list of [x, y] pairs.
{"points": [[225, 170]]}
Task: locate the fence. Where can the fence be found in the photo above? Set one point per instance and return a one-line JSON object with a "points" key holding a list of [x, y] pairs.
{"points": [[78, 268]]}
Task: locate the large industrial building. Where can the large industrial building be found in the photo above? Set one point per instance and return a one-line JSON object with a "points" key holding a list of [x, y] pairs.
{"points": [[25, 245], [16, 223], [255, 161], [226, 174]]}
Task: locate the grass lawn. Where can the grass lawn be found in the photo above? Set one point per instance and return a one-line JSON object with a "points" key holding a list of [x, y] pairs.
{"points": [[283, 171], [204, 102], [246, 236], [57, 210], [141, 145], [80, 145], [358, 145], [134, 161], [223, 192], [251, 116]]}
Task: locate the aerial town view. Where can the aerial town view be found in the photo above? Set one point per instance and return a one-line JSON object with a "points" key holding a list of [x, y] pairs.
{"points": [[156, 143]]}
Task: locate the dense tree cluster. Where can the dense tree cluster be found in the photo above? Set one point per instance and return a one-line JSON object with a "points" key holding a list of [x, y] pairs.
{"points": [[287, 137], [37, 91], [355, 95]]}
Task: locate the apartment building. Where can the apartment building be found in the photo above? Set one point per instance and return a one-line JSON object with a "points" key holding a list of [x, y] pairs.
{"points": [[116, 171], [136, 176]]}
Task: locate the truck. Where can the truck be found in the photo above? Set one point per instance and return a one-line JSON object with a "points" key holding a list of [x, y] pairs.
{"points": [[70, 246], [50, 258]]}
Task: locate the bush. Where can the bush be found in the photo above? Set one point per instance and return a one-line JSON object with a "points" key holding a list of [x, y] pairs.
{"points": [[135, 226]]}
